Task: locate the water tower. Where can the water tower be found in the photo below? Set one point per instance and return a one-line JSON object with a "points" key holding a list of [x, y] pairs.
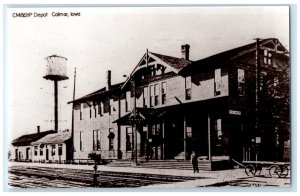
{"points": [[56, 70]]}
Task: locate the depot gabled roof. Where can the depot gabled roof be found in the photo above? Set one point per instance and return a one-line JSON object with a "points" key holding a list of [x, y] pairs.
{"points": [[173, 63], [176, 63]]}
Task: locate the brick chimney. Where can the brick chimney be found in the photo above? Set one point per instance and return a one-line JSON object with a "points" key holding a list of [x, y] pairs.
{"points": [[38, 129], [185, 51], [108, 79]]}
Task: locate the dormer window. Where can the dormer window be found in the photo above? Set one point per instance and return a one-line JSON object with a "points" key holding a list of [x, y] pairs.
{"points": [[267, 57]]}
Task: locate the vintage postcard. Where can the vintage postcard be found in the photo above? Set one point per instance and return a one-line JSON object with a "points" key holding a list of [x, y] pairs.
{"points": [[148, 97]]}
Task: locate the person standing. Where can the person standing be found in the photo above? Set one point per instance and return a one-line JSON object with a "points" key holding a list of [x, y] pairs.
{"points": [[194, 160]]}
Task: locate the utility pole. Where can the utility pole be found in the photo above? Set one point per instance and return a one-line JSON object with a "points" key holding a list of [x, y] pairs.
{"points": [[134, 123], [257, 76], [55, 106], [257, 93], [72, 133]]}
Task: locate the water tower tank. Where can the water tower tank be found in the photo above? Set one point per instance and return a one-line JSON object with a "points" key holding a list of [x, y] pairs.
{"points": [[56, 68]]}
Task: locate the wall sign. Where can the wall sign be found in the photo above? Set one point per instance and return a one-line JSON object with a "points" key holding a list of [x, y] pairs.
{"points": [[235, 112]]}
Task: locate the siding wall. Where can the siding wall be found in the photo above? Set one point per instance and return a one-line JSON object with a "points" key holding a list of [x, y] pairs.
{"points": [[21, 152], [88, 124], [53, 158]]}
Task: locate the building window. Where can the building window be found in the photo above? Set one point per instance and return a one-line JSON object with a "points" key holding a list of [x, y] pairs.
{"points": [[100, 108], [90, 111], [241, 82], [80, 112], [163, 92], [111, 137], [106, 106], [95, 111], [60, 152], [35, 151], [111, 107], [189, 132], [128, 138], [80, 140], [155, 129], [218, 82], [96, 140], [145, 96], [267, 57], [156, 95], [218, 128], [188, 88], [41, 151], [127, 101], [151, 96], [53, 150]]}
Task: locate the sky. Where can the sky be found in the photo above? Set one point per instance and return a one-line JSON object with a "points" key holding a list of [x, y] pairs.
{"points": [[115, 39]]}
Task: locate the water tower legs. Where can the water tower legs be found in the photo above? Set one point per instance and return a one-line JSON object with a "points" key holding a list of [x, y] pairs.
{"points": [[55, 107]]}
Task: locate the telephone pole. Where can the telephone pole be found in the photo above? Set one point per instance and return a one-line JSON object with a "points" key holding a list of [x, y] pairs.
{"points": [[72, 133]]}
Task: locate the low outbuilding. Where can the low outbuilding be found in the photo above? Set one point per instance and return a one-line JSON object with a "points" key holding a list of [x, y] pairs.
{"points": [[21, 146], [53, 148]]}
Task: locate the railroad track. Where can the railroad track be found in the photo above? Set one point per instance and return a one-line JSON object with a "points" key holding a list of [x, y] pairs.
{"points": [[43, 177]]}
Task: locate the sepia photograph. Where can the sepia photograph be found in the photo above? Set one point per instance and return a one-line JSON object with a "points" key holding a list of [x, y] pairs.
{"points": [[148, 97]]}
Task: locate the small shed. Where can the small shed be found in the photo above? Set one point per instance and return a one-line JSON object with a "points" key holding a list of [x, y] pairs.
{"points": [[56, 147]]}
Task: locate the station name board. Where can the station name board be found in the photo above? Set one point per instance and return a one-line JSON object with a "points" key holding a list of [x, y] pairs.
{"points": [[235, 112]]}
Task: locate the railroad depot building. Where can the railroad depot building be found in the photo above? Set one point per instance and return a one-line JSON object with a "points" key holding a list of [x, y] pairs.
{"points": [[176, 106]]}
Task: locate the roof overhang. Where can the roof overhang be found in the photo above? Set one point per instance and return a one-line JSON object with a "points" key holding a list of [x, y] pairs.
{"points": [[139, 116]]}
